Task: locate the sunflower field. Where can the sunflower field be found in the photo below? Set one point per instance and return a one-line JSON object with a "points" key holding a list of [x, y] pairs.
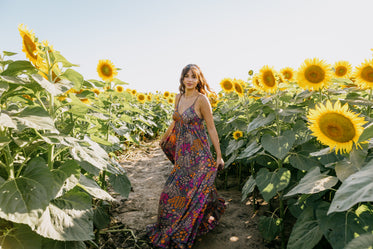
{"points": [[299, 139]]}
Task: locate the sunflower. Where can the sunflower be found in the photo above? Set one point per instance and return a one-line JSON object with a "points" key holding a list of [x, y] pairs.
{"points": [[336, 126], [251, 72], [128, 90], [30, 44], [314, 74], [149, 97], [287, 73], [342, 69], [364, 74], [96, 91], [166, 94], [119, 89], [85, 101], [267, 79], [106, 70], [170, 100], [141, 97], [238, 88], [227, 85], [133, 92], [255, 82], [237, 134]]}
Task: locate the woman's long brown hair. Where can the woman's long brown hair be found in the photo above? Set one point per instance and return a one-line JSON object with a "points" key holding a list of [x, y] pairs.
{"points": [[202, 85]]}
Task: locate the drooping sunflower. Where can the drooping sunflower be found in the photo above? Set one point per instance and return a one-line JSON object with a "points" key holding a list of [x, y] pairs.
{"points": [[336, 126], [237, 134], [227, 85], [342, 69], [106, 70], [287, 73], [255, 82], [267, 79], [141, 97], [314, 74], [30, 45], [119, 89], [238, 88], [166, 94], [364, 74]]}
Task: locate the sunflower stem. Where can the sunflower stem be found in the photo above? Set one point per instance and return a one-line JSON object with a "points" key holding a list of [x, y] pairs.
{"points": [[369, 106]]}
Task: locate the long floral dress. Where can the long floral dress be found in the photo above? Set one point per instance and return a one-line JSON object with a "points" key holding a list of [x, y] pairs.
{"points": [[189, 205]]}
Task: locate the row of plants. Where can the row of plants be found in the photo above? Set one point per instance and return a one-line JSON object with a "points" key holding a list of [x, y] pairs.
{"points": [[58, 138], [304, 137]]}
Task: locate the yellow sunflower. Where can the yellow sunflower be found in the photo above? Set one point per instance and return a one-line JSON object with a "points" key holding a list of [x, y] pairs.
{"points": [[30, 44], [119, 89], [287, 73], [133, 92], [170, 100], [237, 134], [342, 69], [251, 72], [166, 94], [255, 82], [141, 97], [336, 126], [238, 88], [267, 79], [149, 97], [128, 90], [106, 70], [96, 91], [85, 101], [364, 74], [227, 85], [314, 74]]}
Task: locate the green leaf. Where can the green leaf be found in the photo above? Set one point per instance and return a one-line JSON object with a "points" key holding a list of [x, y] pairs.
{"points": [[6, 121], [68, 217], [367, 133], [314, 182], [74, 77], [279, 146], [7, 53], [356, 188], [23, 199], [48, 86], [34, 117], [233, 146], [21, 237], [269, 183], [269, 227], [250, 150], [18, 67], [248, 187], [260, 122], [306, 232], [121, 184], [101, 218], [66, 177], [364, 241], [54, 244], [93, 189], [59, 58], [3, 87], [302, 162]]}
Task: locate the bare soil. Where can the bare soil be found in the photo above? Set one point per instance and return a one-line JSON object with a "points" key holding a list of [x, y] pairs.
{"points": [[148, 168]]}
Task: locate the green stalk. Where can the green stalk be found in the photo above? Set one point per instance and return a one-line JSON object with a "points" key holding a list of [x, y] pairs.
{"points": [[9, 162], [369, 106], [50, 156]]}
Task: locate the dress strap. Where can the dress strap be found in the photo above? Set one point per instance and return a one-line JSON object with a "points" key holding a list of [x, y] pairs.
{"points": [[195, 100], [178, 101]]}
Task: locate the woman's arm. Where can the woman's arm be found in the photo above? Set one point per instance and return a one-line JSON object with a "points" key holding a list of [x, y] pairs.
{"points": [[206, 112]]}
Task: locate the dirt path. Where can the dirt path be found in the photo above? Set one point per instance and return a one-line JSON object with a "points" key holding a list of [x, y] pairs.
{"points": [[148, 170]]}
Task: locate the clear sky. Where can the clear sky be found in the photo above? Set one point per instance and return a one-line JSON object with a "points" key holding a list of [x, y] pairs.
{"points": [[152, 40]]}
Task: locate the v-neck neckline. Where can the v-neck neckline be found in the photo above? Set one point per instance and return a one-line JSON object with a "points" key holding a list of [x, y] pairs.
{"points": [[177, 109]]}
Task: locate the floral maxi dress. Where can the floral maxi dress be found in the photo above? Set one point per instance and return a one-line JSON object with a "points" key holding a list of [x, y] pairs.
{"points": [[189, 205]]}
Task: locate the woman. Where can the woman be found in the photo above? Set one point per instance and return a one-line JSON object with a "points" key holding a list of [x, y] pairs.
{"points": [[189, 205]]}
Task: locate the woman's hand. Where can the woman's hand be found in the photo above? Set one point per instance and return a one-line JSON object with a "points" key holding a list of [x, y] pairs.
{"points": [[220, 163]]}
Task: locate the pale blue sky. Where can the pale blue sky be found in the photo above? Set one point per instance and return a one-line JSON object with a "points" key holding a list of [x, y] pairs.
{"points": [[153, 40]]}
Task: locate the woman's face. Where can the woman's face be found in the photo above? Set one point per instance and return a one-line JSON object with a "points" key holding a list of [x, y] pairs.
{"points": [[190, 80]]}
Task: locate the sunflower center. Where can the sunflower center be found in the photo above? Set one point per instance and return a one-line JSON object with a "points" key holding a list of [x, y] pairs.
{"points": [[30, 46], [340, 71], [269, 79], [367, 74], [337, 127], [315, 74], [287, 75], [238, 88], [227, 85], [106, 70]]}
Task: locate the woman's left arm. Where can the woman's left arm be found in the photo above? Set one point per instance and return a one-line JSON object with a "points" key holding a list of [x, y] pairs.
{"points": [[206, 112]]}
